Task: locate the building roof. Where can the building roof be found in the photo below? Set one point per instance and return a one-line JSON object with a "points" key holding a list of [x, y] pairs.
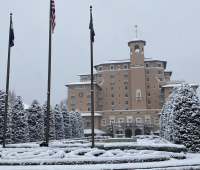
{"points": [[173, 85], [114, 62], [169, 72], [86, 74], [96, 131], [79, 83], [135, 40], [89, 114]]}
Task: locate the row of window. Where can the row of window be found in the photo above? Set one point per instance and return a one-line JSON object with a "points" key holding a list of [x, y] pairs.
{"points": [[148, 79], [149, 102], [130, 120], [157, 64], [82, 86], [125, 66], [159, 86], [112, 88]]}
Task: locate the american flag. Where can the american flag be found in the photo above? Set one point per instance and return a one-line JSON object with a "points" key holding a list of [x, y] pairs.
{"points": [[12, 35], [92, 28], [53, 15]]}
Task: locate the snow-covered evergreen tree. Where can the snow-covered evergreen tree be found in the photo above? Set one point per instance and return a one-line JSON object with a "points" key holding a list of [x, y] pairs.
{"points": [[51, 121], [59, 129], [180, 118], [66, 122], [8, 126], [80, 124], [18, 123], [35, 122], [2, 111], [74, 124]]}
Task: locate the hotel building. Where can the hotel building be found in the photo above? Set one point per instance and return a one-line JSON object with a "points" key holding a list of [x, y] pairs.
{"points": [[131, 90]]}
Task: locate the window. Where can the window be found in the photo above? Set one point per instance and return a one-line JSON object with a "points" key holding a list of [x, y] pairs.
{"points": [[118, 67], [147, 72], [103, 122], [138, 120], [112, 103], [155, 102], [88, 95], [100, 68], [80, 102], [111, 67], [119, 88], [72, 102], [170, 90], [100, 89], [119, 95], [146, 64], [119, 103], [138, 93], [88, 101], [159, 64], [160, 86], [148, 87], [100, 82], [126, 87], [111, 82], [156, 121], [149, 101], [71, 87], [72, 109], [166, 79], [126, 108], [88, 123], [100, 97], [73, 95], [136, 49], [118, 81], [148, 79], [112, 88], [80, 109], [154, 87], [147, 120], [106, 96], [112, 120], [167, 74], [148, 94], [106, 88], [125, 81], [126, 102], [112, 95], [111, 75], [125, 74], [118, 74], [120, 120], [137, 64], [88, 109], [126, 95], [84, 77], [100, 75], [129, 119], [125, 66], [160, 79], [154, 94], [113, 109], [100, 109], [106, 103], [159, 72], [81, 86]]}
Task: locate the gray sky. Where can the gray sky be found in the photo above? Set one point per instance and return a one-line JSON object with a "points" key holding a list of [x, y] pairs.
{"points": [[171, 30]]}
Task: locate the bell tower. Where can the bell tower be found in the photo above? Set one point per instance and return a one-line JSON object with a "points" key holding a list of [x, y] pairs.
{"points": [[137, 68]]}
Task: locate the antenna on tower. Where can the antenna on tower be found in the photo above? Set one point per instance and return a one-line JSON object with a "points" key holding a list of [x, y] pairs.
{"points": [[136, 30]]}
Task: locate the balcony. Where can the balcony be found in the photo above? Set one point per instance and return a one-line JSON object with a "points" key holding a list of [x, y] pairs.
{"points": [[125, 75], [125, 83], [88, 104], [160, 95], [111, 76], [72, 97], [130, 125], [100, 105], [88, 96], [139, 98], [112, 83], [100, 98], [72, 104]]}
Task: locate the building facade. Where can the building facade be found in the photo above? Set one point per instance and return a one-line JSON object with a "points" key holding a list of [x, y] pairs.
{"points": [[125, 88]]}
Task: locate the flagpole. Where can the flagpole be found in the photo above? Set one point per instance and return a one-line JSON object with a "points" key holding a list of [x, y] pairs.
{"points": [[92, 95], [7, 87], [49, 77]]}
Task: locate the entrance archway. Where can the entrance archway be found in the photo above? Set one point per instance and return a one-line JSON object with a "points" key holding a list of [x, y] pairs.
{"points": [[138, 132], [128, 133]]}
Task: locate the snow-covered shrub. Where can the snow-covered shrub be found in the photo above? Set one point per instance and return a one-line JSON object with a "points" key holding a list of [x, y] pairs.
{"points": [[80, 124], [58, 123], [66, 122], [35, 122], [2, 112], [74, 123], [180, 118], [51, 121], [19, 132]]}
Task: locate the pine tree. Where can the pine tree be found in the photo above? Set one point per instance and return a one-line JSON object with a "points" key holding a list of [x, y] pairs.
{"points": [[182, 116], [80, 124], [74, 123], [51, 121], [18, 122], [35, 122], [2, 111], [59, 131], [66, 122]]}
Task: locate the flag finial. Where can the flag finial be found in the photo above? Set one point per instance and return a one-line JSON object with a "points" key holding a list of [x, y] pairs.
{"points": [[10, 14], [90, 7]]}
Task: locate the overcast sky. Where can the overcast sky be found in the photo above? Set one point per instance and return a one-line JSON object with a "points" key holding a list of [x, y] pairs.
{"points": [[170, 28]]}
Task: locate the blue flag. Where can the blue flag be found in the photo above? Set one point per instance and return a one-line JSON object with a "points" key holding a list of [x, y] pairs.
{"points": [[92, 28], [135, 124], [11, 35]]}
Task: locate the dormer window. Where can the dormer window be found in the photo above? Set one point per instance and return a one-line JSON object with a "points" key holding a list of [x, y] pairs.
{"points": [[147, 65], [100, 68], [112, 67], [136, 49], [125, 66], [118, 67], [159, 64]]}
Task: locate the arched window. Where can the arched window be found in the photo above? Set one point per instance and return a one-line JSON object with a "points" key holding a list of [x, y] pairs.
{"points": [[136, 49], [138, 93]]}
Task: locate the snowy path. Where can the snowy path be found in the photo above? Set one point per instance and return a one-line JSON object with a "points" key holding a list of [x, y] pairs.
{"points": [[192, 159]]}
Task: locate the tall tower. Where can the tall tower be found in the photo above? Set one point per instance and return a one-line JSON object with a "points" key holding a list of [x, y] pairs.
{"points": [[137, 67]]}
